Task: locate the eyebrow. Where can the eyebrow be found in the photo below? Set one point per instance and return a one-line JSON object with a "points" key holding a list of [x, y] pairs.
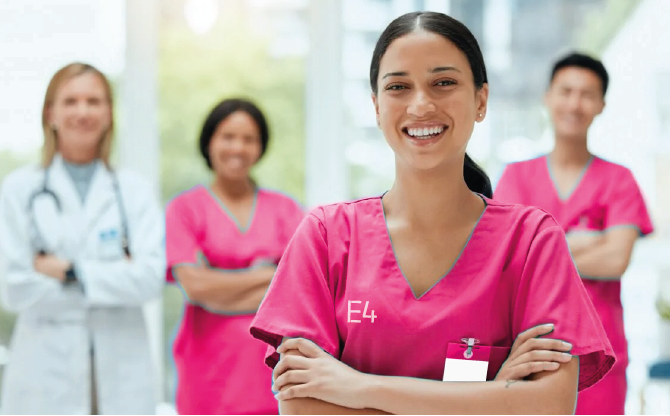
{"points": [[432, 71]]}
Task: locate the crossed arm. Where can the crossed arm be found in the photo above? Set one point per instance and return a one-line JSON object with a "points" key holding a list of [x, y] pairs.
{"points": [[310, 381], [603, 256], [224, 291]]}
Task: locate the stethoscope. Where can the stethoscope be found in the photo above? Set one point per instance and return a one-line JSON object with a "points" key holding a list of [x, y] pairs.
{"points": [[45, 191]]}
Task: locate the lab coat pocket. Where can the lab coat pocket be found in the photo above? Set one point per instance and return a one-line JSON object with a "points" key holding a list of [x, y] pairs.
{"points": [[497, 359], [109, 245]]}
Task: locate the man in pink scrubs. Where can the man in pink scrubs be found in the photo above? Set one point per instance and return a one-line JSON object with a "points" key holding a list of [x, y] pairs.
{"points": [[223, 244], [432, 282], [598, 204]]}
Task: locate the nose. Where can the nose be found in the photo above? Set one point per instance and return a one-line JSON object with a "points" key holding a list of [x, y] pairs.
{"points": [[574, 102], [420, 104], [236, 146], [83, 108]]}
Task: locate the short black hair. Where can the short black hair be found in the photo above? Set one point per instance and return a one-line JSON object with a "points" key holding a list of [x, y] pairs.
{"points": [[221, 112], [581, 60]]}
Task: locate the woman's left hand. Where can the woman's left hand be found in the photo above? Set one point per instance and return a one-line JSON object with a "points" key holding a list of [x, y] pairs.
{"points": [[316, 374], [52, 266]]}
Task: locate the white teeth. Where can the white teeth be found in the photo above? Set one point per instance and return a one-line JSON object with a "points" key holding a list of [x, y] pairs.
{"points": [[425, 132]]}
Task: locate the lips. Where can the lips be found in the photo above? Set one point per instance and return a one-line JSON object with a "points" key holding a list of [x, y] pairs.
{"points": [[425, 135]]}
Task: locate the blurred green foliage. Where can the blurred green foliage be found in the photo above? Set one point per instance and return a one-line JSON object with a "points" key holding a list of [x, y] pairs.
{"points": [[196, 72]]}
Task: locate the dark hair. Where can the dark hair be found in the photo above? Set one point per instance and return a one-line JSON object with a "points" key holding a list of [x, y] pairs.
{"points": [[580, 60], [221, 112], [455, 32]]}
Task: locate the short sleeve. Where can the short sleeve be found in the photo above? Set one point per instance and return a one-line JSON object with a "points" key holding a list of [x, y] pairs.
{"points": [[506, 190], [181, 242], [626, 207], [299, 303], [551, 291]]}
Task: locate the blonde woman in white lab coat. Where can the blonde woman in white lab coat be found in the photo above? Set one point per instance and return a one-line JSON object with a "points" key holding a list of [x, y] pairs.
{"points": [[81, 251]]}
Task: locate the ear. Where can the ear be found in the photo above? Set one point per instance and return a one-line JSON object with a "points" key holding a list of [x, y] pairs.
{"points": [[547, 97], [375, 102], [602, 108], [482, 101]]}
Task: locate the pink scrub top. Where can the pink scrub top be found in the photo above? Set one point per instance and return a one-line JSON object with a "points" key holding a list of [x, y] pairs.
{"points": [[606, 197], [219, 365], [514, 273]]}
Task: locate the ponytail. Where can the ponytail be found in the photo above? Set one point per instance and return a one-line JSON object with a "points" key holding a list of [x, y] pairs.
{"points": [[476, 178]]}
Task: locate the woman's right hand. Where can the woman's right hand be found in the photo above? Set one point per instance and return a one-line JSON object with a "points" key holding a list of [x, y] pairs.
{"points": [[531, 354]]}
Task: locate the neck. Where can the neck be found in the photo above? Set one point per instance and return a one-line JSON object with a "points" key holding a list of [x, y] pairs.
{"points": [[233, 189], [570, 152], [79, 157], [439, 197]]}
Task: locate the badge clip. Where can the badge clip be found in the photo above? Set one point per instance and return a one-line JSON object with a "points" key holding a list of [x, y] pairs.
{"points": [[470, 342]]}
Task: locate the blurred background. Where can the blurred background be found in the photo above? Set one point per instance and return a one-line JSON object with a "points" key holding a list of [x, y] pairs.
{"points": [[306, 63]]}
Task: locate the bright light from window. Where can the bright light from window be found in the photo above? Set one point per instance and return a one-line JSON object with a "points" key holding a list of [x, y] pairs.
{"points": [[201, 15]]}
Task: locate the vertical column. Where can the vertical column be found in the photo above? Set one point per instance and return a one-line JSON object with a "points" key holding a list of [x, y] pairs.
{"points": [[400, 7], [326, 171], [441, 6], [138, 142]]}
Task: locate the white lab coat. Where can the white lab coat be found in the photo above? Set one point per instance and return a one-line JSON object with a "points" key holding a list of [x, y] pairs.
{"points": [[49, 361]]}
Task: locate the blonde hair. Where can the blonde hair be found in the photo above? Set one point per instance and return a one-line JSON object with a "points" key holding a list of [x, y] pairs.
{"points": [[50, 146]]}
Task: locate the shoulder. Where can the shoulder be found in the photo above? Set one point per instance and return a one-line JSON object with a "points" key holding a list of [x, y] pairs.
{"points": [[524, 221], [526, 165], [187, 199], [348, 211], [130, 178], [22, 180], [613, 170]]}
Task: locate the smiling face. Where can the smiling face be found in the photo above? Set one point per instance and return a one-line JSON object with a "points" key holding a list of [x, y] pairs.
{"points": [[235, 146], [427, 102], [574, 99], [81, 114]]}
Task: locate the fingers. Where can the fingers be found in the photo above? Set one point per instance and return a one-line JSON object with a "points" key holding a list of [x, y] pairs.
{"points": [[534, 332], [290, 377], [546, 344], [306, 347], [542, 356], [294, 392], [290, 362], [522, 371]]}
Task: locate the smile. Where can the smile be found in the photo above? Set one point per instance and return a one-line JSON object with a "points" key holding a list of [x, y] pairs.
{"points": [[425, 135]]}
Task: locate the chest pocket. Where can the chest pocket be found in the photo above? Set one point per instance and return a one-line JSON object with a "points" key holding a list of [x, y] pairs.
{"points": [[589, 219], [108, 246]]}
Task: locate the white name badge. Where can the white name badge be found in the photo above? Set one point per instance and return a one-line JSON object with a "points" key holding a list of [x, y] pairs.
{"points": [[466, 362]]}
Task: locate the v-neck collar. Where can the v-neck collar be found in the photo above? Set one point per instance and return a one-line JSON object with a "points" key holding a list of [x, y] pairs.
{"points": [[565, 198], [465, 246], [226, 211]]}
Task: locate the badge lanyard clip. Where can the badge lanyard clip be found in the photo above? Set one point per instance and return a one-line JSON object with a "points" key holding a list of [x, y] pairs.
{"points": [[470, 342]]}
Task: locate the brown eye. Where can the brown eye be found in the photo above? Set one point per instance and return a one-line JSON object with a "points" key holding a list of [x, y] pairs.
{"points": [[445, 83]]}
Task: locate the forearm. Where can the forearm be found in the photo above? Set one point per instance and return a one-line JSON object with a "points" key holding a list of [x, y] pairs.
{"points": [[400, 395], [223, 290], [247, 303], [121, 282], [318, 407], [601, 261], [23, 290]]}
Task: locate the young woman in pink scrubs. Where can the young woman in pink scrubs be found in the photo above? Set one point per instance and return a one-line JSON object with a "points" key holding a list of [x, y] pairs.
{"points": [[223, 244], [433, 281], [598, 204]]}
